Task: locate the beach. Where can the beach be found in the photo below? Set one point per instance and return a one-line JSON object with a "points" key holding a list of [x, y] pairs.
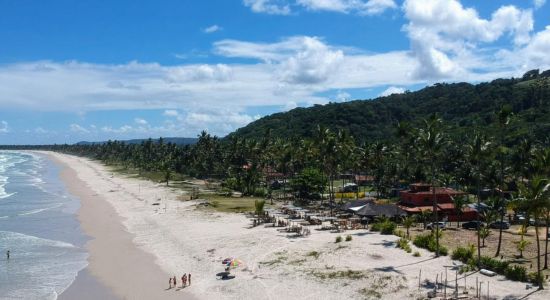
{"points": [[143, 232]]}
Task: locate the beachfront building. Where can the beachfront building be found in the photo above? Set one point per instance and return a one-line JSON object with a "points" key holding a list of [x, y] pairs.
{"points": [[419, 197]]}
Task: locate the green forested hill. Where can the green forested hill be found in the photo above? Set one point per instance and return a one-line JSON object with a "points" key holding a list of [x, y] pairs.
{"points": [[462, 106]]}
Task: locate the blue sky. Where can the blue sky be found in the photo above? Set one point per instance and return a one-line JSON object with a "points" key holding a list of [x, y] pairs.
{"points": [[97, 70]]}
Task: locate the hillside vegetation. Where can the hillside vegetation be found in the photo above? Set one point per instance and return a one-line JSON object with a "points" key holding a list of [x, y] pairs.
{"points": [[462, 106]]}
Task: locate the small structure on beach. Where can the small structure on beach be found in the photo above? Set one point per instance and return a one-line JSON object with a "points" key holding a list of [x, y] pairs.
{"points": [[373, 210]]}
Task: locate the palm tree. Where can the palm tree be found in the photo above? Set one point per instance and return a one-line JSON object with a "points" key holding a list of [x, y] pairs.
{"points": [[483, 233], [408, 222], [522, 243], [503, 120], [431, 141], [459, 203], [477, 152], [535, 201]]}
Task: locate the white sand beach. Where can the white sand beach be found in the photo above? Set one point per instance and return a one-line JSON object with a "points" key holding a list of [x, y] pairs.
{"points": [[138, 245]]}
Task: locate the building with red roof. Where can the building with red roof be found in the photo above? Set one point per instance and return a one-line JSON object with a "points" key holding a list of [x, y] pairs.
{"points": [[419, 197]]}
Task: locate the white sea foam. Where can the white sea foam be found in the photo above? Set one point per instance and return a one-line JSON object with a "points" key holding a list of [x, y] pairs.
{"points": [[35, 211]]}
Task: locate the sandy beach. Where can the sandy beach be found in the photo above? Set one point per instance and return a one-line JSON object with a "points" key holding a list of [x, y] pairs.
{"points": [[142, 234]]}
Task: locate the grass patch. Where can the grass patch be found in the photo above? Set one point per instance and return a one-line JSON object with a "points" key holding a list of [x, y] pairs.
{"points": [[275, 261], [314, 254], [297, 262], [348, 238], [370, 293], [347, 274], [338, 239], [229, 204]]}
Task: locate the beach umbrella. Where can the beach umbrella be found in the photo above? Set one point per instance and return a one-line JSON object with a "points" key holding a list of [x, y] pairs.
{"points": [[227, 260], [234, 263]]}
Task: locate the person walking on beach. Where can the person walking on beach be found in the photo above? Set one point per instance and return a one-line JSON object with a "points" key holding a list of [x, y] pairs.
{"points": [[182, 280], [189, 278], [170, 283], [8, 254], [184, 283], [175, 282]]}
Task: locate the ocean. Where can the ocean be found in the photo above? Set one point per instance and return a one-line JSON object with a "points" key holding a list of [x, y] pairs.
{"points": [[38, 225]]}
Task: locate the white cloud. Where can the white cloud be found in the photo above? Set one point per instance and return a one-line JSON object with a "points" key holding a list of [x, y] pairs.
{"points": [[141, 121], [533, 56], [212, 29], [290, 105], [445, 36], [342, 96], [273, 7], [392, 90], [314, 63], [78, 129], [283, 7], [539, 3], [370, 7], [4, 127], [40, 130], [171, 113]]}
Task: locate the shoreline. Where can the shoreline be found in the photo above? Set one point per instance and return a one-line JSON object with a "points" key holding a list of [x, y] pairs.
{"points": [[112, 269]]}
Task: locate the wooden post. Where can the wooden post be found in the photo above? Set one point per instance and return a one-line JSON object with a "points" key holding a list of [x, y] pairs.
{"points": [[456, 283], [419, 278], [445, 293], [488, 290], [477, 288]]}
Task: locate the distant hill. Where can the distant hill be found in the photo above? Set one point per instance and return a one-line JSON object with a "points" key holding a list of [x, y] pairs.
{"points": [[173, 140], [462, 106]]}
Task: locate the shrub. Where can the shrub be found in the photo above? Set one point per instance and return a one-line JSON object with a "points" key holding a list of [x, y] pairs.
{"points": [[338, 239], [403, 243], [516, 273], [416, 254], [427, 241], [385, 227], [215, 203], [534, 278], [399, 233], [463, 254], [259, 206], [348, 238], [494, 265]]}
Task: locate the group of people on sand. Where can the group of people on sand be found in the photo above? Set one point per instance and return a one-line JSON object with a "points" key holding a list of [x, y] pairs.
{"points": [[185, 281]]}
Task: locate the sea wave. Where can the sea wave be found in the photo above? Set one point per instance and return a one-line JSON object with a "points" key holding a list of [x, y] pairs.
{"points": [[39, 210], [19, 239]]}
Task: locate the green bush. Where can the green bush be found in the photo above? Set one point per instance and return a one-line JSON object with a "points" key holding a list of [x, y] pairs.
{"points": [[385, 227], [533, 278], [348, 238], [427, 241], [403, 243], [259, 206], [338, 239], [463, 254], [495, 265], [516, 273], [400, 233], [416, 254]]}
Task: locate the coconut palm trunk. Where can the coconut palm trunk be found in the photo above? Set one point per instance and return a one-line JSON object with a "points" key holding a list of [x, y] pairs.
{"points": [[539, 275]]}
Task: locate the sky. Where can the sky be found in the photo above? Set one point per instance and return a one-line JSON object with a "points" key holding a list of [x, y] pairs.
{"points": [[99, 69]]}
